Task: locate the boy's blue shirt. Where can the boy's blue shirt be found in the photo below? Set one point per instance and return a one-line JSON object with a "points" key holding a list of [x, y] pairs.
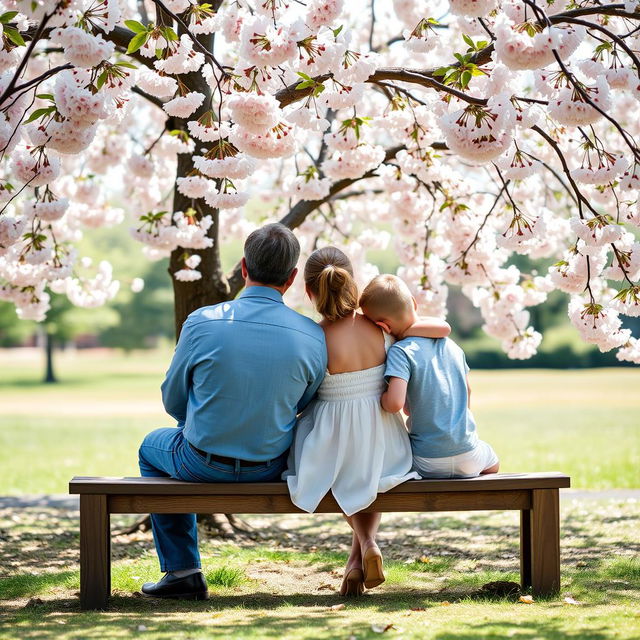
{"points": [[241, 372], [440, 423]]}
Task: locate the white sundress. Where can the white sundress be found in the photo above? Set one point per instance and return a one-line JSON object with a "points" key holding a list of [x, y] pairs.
{"points": [[347, 444]]}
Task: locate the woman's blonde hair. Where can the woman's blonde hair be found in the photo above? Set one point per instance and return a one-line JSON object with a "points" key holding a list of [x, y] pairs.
{"points": [[328, 274]]}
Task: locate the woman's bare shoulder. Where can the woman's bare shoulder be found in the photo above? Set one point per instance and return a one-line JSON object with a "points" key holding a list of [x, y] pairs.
{"points": [[354, 345]]}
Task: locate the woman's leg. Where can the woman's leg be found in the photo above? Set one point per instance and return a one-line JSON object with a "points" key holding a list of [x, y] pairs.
{"points": [[355, 557], [353, 580], [365, 527]]}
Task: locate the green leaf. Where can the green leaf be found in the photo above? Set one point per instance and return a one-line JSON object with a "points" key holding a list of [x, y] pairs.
{"points": [[451, 76], [304, 75], [304, 85], [169, 34], [128, 65], [7, 17], [44, 96], [469, 41], [441, 71], [102, 78], [336, 32], [38, 113], [135, 26], [14, 36], [465, 78], [138, 41]]}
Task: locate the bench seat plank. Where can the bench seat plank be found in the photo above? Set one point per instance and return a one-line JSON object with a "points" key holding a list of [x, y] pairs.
{"points": [[386, 502], [169, 487]]}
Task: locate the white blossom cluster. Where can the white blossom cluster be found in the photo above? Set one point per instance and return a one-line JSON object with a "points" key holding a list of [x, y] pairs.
{"points": [[458, 132]]}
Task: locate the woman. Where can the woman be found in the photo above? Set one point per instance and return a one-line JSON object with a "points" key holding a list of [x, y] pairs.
{"points": [[345, 442]]}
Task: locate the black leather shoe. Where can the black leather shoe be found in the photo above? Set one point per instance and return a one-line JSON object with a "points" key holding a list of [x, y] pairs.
{"points": [[192, 587]]}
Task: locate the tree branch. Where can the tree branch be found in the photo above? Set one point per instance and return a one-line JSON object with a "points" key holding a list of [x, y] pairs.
{"points": [[121, 38], [619, 41], [630, 142], [25, 58], [565, 168], [289, 94], [198, 45], [301, 210], [148, 97]]}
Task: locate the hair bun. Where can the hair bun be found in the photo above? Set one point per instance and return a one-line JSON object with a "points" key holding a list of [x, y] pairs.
{"points": [[329, 275]]}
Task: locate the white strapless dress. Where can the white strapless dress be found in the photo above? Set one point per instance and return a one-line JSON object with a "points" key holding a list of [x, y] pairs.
{"points": [[347, 444]]}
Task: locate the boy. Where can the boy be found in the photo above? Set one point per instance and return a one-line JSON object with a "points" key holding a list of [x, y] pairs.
{"points": [[428, 377]]}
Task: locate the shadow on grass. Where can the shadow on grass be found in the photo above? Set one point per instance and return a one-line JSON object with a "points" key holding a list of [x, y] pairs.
{"points": [[547, 629], [395, 599], [163, 619]]}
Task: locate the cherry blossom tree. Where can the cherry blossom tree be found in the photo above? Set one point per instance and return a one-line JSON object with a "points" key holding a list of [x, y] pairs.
{"points": [[458, 132]]}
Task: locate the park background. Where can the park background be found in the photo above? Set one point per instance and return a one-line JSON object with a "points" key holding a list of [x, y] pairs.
{"points": [[570, 408]]}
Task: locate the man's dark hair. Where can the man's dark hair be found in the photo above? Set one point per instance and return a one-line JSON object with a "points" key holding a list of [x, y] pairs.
{"points": [[271, 254]]}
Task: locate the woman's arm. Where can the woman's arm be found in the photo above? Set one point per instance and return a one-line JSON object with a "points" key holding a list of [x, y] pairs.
{"points": [[427, 327], [394, 398]]}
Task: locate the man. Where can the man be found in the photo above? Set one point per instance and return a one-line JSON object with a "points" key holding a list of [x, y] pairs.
{"points": [[240, 373]]}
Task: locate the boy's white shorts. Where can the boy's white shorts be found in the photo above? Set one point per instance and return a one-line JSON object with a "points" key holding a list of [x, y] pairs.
{"points": [[464, 465]]}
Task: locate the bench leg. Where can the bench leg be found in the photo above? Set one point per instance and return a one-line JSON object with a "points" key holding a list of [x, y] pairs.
{"points": [[525, 549], [545, 542], [95, 552]]}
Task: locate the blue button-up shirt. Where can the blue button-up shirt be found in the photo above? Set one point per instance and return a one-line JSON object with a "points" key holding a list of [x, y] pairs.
{"points": [[241, 372]]}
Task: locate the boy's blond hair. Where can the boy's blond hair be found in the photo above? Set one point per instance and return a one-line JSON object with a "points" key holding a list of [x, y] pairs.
{"points": [[386, 296]]}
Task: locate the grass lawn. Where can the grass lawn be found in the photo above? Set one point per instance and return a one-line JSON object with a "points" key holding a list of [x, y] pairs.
{"points": [[281, 582], [582, 422]]}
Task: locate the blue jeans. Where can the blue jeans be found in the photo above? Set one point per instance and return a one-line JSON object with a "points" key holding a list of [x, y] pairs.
{"points": [[165, 453]]}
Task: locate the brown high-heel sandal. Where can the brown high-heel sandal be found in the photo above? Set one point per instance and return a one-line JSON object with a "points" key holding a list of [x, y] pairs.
{"points": [[352, 583], [372, 567]]}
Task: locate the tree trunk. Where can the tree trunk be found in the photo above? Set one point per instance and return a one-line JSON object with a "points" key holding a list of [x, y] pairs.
{"points": [[49, 375], [212, 288]]}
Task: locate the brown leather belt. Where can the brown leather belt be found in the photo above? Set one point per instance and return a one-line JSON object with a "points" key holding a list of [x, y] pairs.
{"points": [[228, 461]]}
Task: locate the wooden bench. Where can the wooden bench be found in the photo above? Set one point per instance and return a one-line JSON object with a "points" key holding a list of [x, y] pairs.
{"points": [[535, 495]]}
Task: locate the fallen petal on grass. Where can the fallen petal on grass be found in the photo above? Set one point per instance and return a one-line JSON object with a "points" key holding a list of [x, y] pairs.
{"points": [[381, 628]]}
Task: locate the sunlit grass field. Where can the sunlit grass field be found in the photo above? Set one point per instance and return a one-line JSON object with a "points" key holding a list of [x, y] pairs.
{"points": [[582, 422]]}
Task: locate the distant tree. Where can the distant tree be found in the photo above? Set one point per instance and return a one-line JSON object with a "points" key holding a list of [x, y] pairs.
{"points": [[146, 315], [13, 332], [64, 322]]}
